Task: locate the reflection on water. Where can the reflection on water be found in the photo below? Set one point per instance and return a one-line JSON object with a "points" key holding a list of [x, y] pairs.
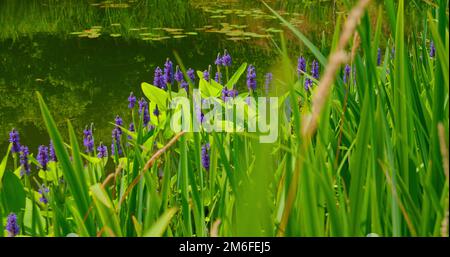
{"points": [[86, 57]]}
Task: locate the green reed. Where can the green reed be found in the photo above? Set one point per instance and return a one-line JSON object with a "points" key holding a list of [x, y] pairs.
{"points": [[374, 165]]}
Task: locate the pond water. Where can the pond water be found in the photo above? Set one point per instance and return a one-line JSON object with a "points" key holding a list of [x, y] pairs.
{"points": [[85, 57]]}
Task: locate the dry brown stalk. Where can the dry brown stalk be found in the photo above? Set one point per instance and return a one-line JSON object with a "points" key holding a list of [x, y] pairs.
{"points": [[149, 164], [338, 57], [444, 152]]}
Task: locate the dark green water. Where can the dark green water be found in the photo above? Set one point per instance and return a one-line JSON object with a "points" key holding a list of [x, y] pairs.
{"points": [[87, 79], [85, 57]]}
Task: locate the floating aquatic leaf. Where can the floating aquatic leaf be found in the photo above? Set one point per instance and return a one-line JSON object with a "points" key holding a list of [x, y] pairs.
{"points": [[93, 35], [115, 35], [114, 5], [176, 32], [235, 33], [238, 26], [217, 16], [172, 30], [212, 30], [237, 38], [255, 35], [179, 36], [273, 30]]}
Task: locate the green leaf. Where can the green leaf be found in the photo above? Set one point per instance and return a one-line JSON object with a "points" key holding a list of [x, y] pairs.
{"points": [[13, 193], [155, 95], [3, 164], [70, 176], [161, 224], [28, 216], [320, 57], [234, 79], [212, 89], [106, 211]]}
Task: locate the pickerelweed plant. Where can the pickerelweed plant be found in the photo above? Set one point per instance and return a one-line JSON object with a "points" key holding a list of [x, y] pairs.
{"points": [[361, 147]]}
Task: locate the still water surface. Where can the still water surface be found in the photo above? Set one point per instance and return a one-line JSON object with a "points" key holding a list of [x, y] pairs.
{"points": [[85, 58]]}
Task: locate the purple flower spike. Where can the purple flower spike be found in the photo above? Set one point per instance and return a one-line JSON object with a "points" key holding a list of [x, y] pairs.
{"points": [[116, 135], [206, 75], [205, 156], [119, 123], [218, 60], [199, 114], [15, 140], [178, 74], [156, 111], [52, 152], [146, 118], [308, 84], [315, 69], [378, 57], [102, 151], [226, 59], [131, 101], [168, 72], [43, 191], [251, 78], [233, 92], [131, 129], [184, 85], [42, 156], [218, 77], [12, 225], [432, 50], [191, 74], [143, 107], [268, 80], [158, 80], [24, 152], [301, 66], [347, 71], [224, 93], [88, 140]]}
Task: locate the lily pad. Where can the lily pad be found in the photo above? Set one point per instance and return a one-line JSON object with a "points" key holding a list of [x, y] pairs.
{"points": [[217, 16]]}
